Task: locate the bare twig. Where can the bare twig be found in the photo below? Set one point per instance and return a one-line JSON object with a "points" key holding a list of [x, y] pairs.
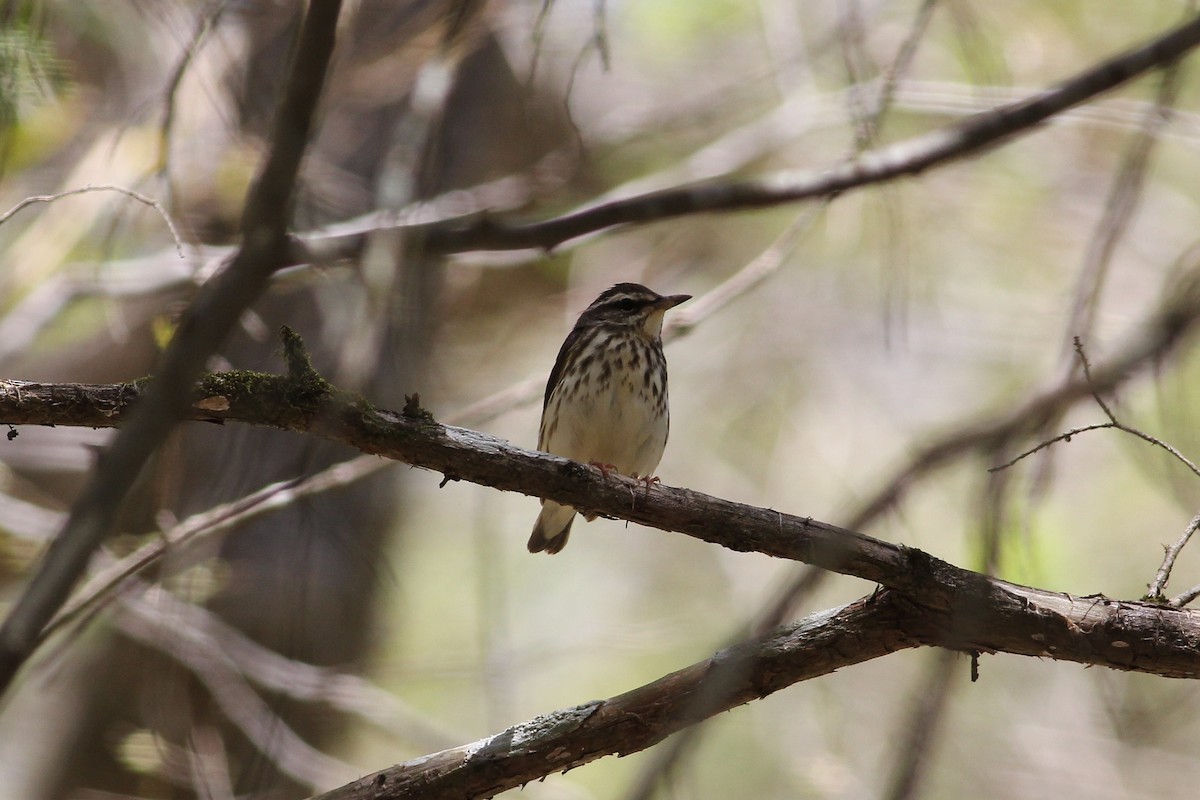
{"points": [[1120, 426], [1147, 346], [203, 527], [1164, 571], [138, 196], [1066, 436], [348, 693], [1185, 598], [1086, 366], [856, 63], [1172, 552], [729, 152], [902, 62], [1112, 423], [194, 626]]}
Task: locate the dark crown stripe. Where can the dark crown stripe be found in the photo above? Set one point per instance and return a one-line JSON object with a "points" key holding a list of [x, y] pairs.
{"points": [[622, 292]]}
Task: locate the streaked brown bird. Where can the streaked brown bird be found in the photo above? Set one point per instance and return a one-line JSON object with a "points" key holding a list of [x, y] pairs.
{"points": [[606, 400]]}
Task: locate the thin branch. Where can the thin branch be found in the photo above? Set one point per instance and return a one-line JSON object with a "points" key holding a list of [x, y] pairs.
{"points": [[147, 274], [903, 61], [203, 527], [1151, 343], [1159, 583], [350, 694], [1108, 412], [203, 326], [194, 627], [1113, 423], [1066, 436], [856, 63], [138, 196], [1164, 571]]}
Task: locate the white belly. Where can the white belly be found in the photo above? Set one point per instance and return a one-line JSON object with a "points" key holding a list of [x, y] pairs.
{"points": [[617, 425]]}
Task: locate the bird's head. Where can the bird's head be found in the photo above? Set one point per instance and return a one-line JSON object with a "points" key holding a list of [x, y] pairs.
{"points": [[631, 305]]}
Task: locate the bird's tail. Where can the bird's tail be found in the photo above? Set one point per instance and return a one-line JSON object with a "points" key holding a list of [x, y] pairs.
{"points": [[552, 528]]}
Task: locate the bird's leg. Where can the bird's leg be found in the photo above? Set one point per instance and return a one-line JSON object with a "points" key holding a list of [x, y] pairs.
{"points": [[604, 468], [648, 480]]}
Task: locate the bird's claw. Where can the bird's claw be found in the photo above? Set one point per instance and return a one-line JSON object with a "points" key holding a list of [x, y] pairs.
{"points": [[604, 468]]}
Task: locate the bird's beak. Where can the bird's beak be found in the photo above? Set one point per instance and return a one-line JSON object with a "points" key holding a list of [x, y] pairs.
{"points": [[670, 301]]}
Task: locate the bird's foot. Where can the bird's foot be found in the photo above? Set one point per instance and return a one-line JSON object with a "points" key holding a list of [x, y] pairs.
{"points": [[648, 481], [604, 468]]}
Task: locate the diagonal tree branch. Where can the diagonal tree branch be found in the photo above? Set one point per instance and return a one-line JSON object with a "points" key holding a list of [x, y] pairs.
{"points": [[975, 600], [201, 330], [905, 158], [865, 629]]}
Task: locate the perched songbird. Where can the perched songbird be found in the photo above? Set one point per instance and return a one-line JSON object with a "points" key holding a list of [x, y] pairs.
{"points": [[606, 400]]}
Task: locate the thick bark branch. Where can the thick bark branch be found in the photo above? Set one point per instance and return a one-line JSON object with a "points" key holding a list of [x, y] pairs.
{"points": [[306, 403], [868, 628], [642, 717], [966, 609]]}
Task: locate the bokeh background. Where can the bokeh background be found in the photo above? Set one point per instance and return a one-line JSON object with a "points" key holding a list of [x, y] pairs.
{"points": [[894, 315]]}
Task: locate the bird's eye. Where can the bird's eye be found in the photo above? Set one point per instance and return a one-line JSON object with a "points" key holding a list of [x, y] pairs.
{"points": [[627, 305]]}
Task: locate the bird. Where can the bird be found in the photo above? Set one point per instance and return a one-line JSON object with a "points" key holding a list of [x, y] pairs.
{"points": [[606, 398]]}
